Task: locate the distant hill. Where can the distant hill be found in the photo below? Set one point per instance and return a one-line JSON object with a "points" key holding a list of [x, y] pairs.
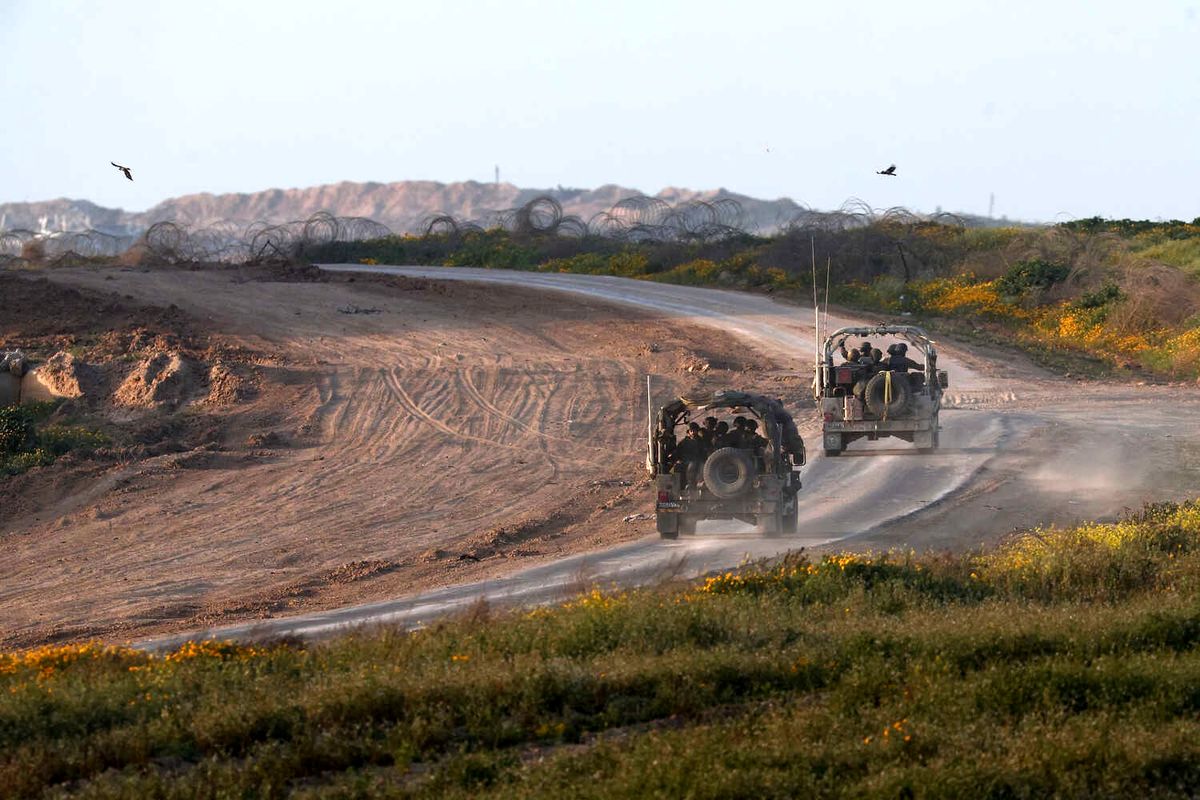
{"points": [[55, 216], [402, 206]]}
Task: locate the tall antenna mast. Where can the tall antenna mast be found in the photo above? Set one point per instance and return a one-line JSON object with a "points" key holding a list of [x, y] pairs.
{"points": [[812, 243], [650, 454], [828, 270]]}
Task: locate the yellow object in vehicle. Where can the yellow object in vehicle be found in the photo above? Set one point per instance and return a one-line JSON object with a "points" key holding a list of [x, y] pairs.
{"points": [[887, 392]]}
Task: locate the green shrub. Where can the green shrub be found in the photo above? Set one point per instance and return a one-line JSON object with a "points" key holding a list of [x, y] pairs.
{"points": [[1107, 294], [20, 462], [492, 251], [17, 433], [1033, 274], [697, 272], [1092, 308], [60, 439], [23, 444], [628, 264], [1170, 229], [581, 264]]}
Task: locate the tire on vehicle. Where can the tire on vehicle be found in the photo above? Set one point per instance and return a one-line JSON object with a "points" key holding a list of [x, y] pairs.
{"points": [[789, 519], [901, 394], [729, 472], [667, 525]]}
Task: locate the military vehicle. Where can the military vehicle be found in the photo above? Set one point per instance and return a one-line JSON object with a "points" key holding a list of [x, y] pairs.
{"points": [[753, 481], [866, 400]]}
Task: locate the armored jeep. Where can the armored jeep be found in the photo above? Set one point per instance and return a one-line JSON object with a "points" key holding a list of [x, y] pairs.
{"points": [[869, 399], [754, 480]]}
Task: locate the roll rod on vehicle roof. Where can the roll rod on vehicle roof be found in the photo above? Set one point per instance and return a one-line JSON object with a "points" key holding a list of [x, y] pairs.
{"points": [[869, 397]]}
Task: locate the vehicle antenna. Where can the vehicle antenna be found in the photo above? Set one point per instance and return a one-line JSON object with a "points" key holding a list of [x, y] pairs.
{"points": [[649, 427], [812, 242], [828, 269]]}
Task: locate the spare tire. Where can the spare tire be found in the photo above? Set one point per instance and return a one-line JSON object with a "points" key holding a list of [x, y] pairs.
{"points": [[901, 394], [729, 472]]}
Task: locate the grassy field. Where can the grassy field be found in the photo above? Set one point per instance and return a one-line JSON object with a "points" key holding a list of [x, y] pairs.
{"points": [[1064, 663], [1091, 295]]}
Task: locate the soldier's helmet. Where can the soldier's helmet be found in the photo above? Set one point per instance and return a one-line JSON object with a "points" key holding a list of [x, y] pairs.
{"points": [[710, 422], [751, 425], [865, 347], [693, 427], [739, 422]]}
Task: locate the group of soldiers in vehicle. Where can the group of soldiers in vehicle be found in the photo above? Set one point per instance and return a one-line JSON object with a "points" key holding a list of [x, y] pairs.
{"points": [[896, 360], [686, 456]]}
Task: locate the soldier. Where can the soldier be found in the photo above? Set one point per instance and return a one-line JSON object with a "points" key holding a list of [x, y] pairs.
{"points": [[689, 454], [737, 434], [864, 349], [752, 437], [789, 437], [709, 433], [868, 359], [898, 360], [721, 435]]}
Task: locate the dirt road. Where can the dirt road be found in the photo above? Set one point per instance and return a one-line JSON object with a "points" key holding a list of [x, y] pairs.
{"points": [[1019, 448], [480, 435]]}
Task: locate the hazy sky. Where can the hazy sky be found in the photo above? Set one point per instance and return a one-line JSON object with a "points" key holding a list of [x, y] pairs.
{"points": [[1074, 108]]}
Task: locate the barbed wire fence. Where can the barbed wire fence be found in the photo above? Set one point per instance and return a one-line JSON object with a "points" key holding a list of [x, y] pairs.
{"points": [[863, 242], [61, 248], [637, 219]]}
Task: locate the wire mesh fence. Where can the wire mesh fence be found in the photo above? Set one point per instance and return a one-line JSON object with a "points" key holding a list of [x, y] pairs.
{"points": [[636, 219]]}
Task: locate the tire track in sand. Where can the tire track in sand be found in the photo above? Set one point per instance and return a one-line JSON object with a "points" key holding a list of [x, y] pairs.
{"points": [[415, 409]]}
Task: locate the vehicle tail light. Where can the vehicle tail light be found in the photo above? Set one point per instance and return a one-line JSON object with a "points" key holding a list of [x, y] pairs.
{"points": [[664, 497], [829, 416]]}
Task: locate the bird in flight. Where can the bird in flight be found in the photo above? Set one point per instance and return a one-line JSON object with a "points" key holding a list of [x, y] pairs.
{"points": [[128, 172], [890, 171]]}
